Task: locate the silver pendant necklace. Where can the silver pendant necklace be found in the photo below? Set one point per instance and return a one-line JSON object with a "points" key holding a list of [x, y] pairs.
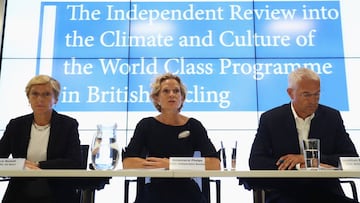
{"points": [[41, 128]]}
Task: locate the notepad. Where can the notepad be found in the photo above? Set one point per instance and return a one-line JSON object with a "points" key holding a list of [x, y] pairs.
{"points": [[350, 163], [12, 164], [187, 163]]}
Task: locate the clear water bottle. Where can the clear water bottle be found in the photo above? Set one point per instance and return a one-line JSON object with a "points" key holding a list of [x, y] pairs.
{"points": [[104, 149]]}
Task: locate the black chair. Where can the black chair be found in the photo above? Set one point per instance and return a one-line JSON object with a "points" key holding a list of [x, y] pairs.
{"points": [[86, 194], [259, 194], [84, 154], [205, 187], [3, 179], [206, 182], [353, 188], [87, 186], [85, 189]]}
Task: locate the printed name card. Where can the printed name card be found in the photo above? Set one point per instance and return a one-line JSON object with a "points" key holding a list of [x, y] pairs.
{"points": [[12, 164], [187, 163], [350, 163]]}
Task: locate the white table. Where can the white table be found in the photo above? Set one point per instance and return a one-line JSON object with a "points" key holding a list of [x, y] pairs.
{"points": [[182, 173]]}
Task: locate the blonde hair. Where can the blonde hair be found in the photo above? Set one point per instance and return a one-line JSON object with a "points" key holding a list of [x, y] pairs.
{"points": [[43, 80], [156, 87]]}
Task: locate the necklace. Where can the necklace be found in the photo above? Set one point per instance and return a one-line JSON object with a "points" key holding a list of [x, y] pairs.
{"points": [[40, 128]]}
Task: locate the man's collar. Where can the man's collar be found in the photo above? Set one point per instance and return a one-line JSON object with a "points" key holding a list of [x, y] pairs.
{"points": [[297, 117]]}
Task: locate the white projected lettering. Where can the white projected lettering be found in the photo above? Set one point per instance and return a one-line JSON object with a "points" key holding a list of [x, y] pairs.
{"points": [[320, 14], [252, 39], [196, 94], [117, 95], [122, 39], [73, 68], [76, 40], [120, 66], [237, 13], [259, 70], [151, 15], [171, 39], [182, 67], [232, 56]]}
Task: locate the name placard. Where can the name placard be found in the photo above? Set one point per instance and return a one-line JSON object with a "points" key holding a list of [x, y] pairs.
{"points": [[187, 163], [350, 163], [12, 164]]}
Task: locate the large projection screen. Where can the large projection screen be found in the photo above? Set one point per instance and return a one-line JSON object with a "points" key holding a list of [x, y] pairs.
{"points": [[233, 56]]}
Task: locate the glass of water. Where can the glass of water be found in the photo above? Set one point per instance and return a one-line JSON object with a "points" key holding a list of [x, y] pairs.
{"points": [[104, 148], [312, 153]]}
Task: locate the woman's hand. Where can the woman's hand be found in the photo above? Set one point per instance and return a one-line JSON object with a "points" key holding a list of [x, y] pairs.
{"points": [[31, 165], [155, 162]]}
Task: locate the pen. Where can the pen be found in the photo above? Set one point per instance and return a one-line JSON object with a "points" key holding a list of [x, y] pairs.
{"points": [[233, 157], [223, 155]]}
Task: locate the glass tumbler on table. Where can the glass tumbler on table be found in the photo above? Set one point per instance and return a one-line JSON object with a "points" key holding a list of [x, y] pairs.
{"points": [[104, 149], [312, 153]]}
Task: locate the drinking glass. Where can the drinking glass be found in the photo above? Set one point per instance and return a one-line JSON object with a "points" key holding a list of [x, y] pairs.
{"points": [[312, 153], [104, 150]]}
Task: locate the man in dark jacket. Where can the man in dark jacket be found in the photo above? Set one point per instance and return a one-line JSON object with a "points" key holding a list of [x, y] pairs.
{"points": [[277, 144]]}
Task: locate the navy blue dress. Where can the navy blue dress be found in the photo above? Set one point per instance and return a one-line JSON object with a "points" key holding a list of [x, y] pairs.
{"points": [[155, 139]]}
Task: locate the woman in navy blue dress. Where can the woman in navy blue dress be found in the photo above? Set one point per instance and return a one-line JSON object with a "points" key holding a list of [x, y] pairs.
{"points": [[169, 134]]}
